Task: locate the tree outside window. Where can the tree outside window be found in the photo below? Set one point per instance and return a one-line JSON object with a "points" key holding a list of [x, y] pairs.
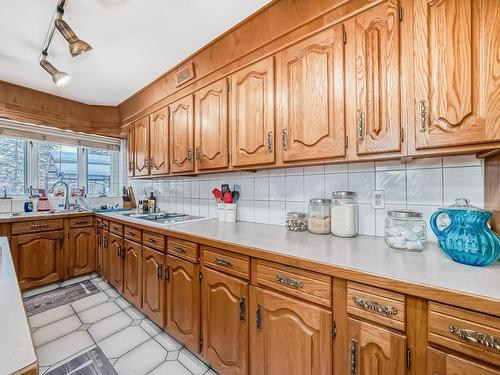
{"points": [[12, 166]]}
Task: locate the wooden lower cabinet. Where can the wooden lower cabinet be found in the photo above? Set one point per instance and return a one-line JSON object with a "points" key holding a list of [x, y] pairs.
{"points": [[224, 314], [153, 285], [81, 251], [132, 272], [38, 258], [439, 363], [375, 350], [183, 301], [115, 250], [288, 336]]}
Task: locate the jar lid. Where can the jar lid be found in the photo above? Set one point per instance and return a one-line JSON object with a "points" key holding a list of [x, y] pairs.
{"points": [[462, 204], [320, 201], [296, 214], [343, 193], [404, 214]]}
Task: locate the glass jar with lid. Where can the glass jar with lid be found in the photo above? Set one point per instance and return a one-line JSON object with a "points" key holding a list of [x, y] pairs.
{"points": [[344, 220], [318, 215], [296, 221], [405, 230]]}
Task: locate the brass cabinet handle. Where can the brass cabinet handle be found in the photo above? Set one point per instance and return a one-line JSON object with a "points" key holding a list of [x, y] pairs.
{"points": [[284, 139], [151, 163], [289, 281], [190, 155], [130, 166], [375, 306], [270, 142], [258, 317], [146, 163], [98, 239], [354, 357], [167, 273], [361, 126], [61, 243], [223, 262], [242, 308], [197, 153], [152, 240], [422, 116], [179, 250], [475, 337], [37, 226], [159, 271], [131, 234]]}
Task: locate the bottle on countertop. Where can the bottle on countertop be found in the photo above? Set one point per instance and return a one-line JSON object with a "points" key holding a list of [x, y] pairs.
{"points": [[152, 203]]}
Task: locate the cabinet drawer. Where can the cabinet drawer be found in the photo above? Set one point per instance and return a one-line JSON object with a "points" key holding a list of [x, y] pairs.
{"points": [[116, 228], [36, 226], [183, 249], [227, 262], [154, 240], [443, 363], [133, 234], [464, 331], [78, 222], [311, 286], [378, 305]]}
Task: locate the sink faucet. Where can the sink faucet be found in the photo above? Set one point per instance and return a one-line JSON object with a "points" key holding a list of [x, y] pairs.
{"points": [[66, 192]]}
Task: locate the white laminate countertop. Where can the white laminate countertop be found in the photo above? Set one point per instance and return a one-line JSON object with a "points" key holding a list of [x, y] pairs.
{"points": [[16, 346], [367, 254]]}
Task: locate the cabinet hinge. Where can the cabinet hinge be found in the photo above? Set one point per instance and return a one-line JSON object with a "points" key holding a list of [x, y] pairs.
{"points": [[402, 134], [408, 358], [334, 330], [200, 276], [400, 14], [344, 37]]}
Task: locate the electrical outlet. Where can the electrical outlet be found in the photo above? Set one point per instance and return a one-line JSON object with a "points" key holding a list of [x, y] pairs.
{"points": [[378, 199]]}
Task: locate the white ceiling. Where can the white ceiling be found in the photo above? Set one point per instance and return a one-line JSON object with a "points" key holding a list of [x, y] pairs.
{"points": [[134, 41]]}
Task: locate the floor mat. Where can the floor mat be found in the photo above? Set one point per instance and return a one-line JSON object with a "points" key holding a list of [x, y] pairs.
{"points": [[49, 300], [92, 362]]}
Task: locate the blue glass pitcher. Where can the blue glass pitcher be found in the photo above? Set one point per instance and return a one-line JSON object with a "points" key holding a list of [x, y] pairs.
{"points": [[467, 239]]}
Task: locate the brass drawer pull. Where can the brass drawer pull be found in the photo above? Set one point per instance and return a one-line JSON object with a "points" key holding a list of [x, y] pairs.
{"points": [[475, 337], [354, 357], [223, 262], [180, 250], [422, 116], [375, 306], [37, 226], [131, 234], [289, 281], [242, 308], [258, 317], [152, 240]]}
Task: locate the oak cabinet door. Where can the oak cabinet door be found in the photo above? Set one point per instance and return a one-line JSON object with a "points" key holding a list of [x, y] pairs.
{"points": [[183, 301], [378, 103], [153, 285], [105, 255], [130, 151], [141, 147], [311, 81], [457, 85], [38, 258], [225, 322], [211, 126], [81, 251], [181, 135], [288, 336], [447, 364], [158, 133], [132, 273], [252, 114], [98, 253], [115, 250], [375, 350]]}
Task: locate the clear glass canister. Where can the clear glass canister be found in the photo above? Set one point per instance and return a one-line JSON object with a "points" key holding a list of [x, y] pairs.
{"points": [[405, 230], [296, 221], [318, 216], [344, 221]]}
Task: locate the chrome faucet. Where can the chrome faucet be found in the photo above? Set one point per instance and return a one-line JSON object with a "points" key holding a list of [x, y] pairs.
{"points": [[66, 192]]}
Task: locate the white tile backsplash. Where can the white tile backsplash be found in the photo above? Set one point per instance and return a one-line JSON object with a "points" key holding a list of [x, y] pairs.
{"points": [[266, 195]]}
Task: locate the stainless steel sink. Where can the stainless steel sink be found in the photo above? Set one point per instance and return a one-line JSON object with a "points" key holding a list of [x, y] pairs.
{"points": [[164, 217]]}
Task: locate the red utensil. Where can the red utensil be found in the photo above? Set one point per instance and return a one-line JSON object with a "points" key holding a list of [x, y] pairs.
{"points": [[228, 198], [217, 194]]}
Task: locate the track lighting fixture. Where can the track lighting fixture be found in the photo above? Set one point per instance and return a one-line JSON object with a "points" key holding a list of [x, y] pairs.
{"points": [[76, 46]]}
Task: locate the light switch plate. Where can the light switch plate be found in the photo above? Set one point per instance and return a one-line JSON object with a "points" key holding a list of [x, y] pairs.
{"points": [[378, 199]]}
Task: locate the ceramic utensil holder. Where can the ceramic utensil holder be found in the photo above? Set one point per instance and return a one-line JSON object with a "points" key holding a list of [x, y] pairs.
{"points": [[230, 211], [221, 211]]}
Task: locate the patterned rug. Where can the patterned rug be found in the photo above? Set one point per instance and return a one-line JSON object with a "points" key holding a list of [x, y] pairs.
{"points": [[49, 300], [93, 362]]}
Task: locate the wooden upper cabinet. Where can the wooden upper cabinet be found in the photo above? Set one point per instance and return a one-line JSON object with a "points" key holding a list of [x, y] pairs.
{"points": [[311, 83], [181, 135], [457, 84], [153, 285], [158, 136], [211, 126], [378, 103], [440, 363], [252, 114], [130, 151], [132, 273], [375, 350], [288, 336], [141, 147], [81, 251]]}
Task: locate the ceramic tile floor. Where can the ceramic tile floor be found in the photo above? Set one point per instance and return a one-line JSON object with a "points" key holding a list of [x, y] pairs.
{"points": [[132, 343]]}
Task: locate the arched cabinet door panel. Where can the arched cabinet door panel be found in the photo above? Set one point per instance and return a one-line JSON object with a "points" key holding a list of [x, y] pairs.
{"points": [[141, 147], [181, 135], [81, 247], [153, 285], [159, 142], [132, 272], [115, 249]]}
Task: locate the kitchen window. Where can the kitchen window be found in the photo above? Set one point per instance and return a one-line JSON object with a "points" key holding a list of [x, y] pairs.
{"points": [[12, 166]]}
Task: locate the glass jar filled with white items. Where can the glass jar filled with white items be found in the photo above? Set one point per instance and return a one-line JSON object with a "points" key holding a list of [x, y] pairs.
{"points": [[405, 230], [318, 216], [344, 220]]}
